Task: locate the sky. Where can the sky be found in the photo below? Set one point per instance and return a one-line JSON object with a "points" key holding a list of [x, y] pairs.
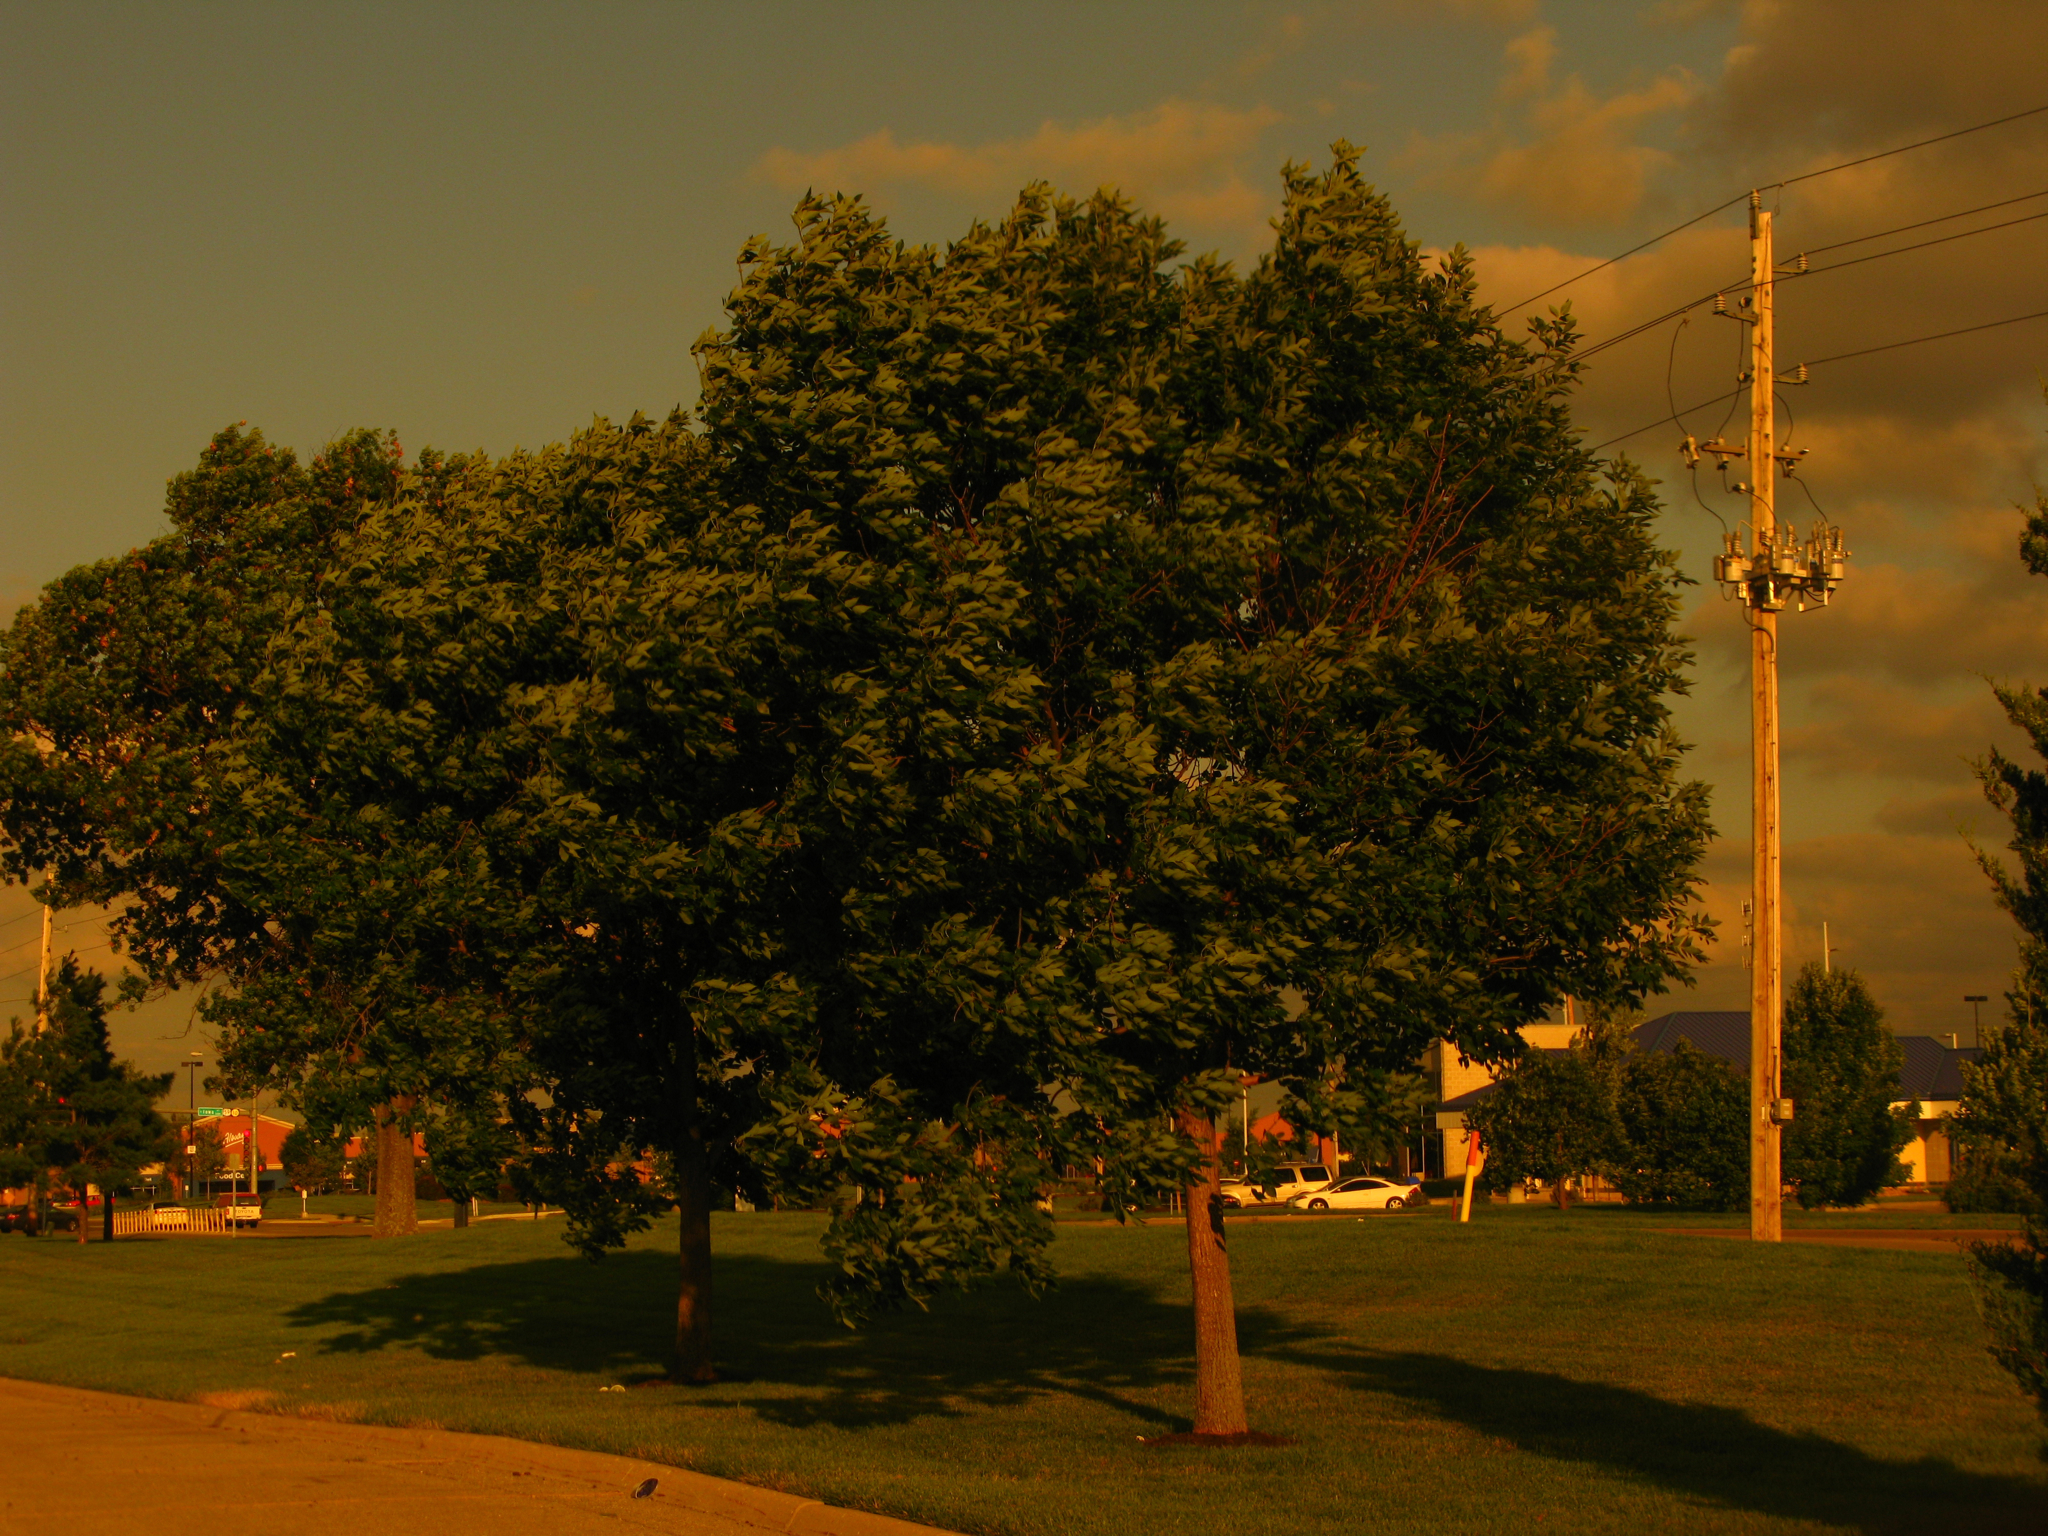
{"points": [[482, 225]]}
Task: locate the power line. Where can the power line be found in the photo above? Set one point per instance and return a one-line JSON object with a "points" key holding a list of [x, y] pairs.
{"points": [[1834, 266], [1989, 325], [1699, 405], [2027, 197], [1890, 346], [1939, 138], [1921, 245], [1632, 250], [1826, 170]]}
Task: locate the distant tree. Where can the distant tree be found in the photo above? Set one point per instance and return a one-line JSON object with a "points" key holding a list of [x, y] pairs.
{"points": [[1842, 1075], [79, 1116], [362, 1168], [1683, 1123], [23, 1164], [1550, 1117], [206, 1163], [311, 1161], [467, 1154], [122, 689]]}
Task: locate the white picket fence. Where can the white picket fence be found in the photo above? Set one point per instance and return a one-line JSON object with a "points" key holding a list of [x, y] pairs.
{"points": [[173, 1221]]}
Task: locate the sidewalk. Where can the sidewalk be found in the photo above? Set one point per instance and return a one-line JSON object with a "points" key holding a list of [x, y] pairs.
{"points": [[96, 1464]]}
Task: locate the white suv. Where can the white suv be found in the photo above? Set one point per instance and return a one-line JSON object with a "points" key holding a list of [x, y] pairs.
{"points": [[1289, 1180], [242, 1210]]}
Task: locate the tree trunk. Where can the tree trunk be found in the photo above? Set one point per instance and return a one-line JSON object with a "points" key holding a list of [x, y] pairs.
{"points": [[461, 1212], [397, 1195], [1219, 1382], [693, 1293], [106, 1214]]}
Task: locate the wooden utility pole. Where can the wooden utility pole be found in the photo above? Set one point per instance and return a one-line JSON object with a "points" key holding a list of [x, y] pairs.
{"points": [[1767, 976], [1772, 568]]}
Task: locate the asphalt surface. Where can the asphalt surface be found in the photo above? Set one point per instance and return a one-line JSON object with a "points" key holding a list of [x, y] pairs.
{"points": [[1917, 1239], [97, 1464]]}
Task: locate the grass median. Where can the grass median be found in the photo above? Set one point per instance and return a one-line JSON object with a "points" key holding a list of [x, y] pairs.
{"points": [[1584, 1371]]}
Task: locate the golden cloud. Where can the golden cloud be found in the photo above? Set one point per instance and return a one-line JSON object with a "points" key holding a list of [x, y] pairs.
{"points": [[1913, 914], [1558, 150], [1186, 160]]}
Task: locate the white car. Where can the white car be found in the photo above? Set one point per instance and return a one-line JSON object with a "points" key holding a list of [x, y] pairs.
{"points": [[1359, 1194]]}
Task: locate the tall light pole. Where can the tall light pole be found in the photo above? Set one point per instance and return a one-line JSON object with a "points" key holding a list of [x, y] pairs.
{"points": [[1772, 569], [1976, 1000], [192, 1067]]}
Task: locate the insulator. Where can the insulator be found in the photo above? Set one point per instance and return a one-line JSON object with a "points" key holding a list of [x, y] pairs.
{"points": [[1720, 304]]}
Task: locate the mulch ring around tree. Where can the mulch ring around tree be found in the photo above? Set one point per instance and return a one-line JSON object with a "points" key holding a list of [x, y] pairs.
{"points": [[1243, 1437]]}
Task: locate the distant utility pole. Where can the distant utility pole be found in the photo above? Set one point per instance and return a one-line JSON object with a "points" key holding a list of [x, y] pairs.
{"points": [[1762, 575]]}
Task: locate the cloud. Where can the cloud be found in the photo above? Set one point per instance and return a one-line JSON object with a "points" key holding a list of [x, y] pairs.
{"points": [[1285, 35], [1556, 150], [1822, 80], [1186, 160], [1913, 914], [1855, 726], [1960, 812]]}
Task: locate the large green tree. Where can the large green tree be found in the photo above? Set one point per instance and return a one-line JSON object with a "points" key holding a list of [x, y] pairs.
{"points": [[1347, 671], [1842, 1074]]}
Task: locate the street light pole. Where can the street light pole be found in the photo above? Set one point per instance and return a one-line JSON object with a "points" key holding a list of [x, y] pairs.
{"points": [[192, 1119], [1975, 999]]}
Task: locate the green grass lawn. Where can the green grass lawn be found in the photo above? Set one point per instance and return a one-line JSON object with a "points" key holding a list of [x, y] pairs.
{"points": [[1524, 1372]]}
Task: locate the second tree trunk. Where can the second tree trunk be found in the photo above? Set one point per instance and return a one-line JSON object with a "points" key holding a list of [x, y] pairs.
{"points": [[1219, 1382]]}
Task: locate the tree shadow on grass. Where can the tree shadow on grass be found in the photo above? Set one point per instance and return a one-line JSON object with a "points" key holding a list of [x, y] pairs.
{"points": [[1718, 1455], [780, 1354]]}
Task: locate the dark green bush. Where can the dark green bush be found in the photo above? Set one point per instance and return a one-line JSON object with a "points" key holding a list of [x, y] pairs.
{"points": [[1684, 1131]]}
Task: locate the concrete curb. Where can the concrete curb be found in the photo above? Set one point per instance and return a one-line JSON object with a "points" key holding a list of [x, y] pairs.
{"points": [[731, 1505]]}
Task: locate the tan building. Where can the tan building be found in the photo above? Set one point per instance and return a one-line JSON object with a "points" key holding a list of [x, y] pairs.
{"points": [[1458, 1083], [1930, 1079]]}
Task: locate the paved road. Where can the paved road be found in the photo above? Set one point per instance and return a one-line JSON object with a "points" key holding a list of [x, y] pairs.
{"points": [[94, 1464], [1918, 1239]]}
